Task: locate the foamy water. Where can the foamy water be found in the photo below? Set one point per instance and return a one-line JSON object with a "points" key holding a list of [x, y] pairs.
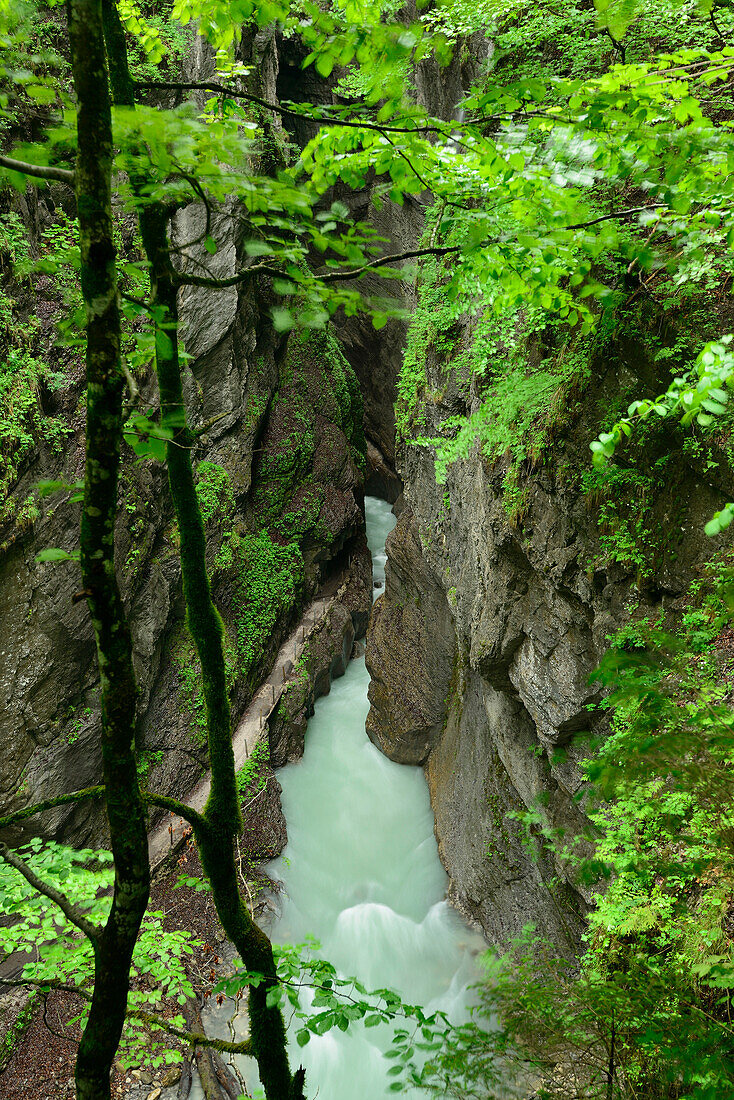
{"points": [[361, 874]]}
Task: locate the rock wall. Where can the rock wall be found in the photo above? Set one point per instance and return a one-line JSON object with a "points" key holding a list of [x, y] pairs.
{"points": [[49, 730], [482, 645], [281, 455]]}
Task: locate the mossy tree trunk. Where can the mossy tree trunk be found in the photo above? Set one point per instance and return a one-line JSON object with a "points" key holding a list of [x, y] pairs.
{"points": [[221, 819], [113, 945]]}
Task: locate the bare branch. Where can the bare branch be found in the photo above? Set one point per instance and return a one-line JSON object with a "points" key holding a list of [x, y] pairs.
{"points": [[383, 261], [193, 817], [38, 171], [70, 911], [50, 804], [182, 279], [149, 1018]]}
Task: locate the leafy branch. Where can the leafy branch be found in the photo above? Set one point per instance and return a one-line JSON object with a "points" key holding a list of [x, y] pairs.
{"points": [[182, 279], [70, 911], [312, 113], [700, 396]]}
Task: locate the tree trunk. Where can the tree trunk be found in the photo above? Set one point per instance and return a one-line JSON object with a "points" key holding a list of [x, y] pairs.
{"points": [[222, 811], [114, 946]]}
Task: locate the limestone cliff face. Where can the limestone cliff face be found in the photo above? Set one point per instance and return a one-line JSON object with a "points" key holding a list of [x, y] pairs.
{"points": [[281, 421], [49, 725], [482, 645], [281, 468]]}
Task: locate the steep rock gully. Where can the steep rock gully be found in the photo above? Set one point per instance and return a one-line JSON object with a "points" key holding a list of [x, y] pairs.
{"points": [[361, 874]]}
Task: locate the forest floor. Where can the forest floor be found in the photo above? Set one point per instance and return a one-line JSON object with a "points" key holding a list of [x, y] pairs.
{"points": [[42, 1066]]}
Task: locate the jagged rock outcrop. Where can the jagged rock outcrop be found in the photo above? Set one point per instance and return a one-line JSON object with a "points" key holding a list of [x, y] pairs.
{"points": [[49, 730], [482, 646], [282, 469], [413, 630], [281, 460]]}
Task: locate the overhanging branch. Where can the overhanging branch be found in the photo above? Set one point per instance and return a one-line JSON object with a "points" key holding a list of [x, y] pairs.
{"points": [[50, 804], [194, 818], [384, 261], [277, 108], [70, 911], [317, 115], [38, 171], [615, 215]]}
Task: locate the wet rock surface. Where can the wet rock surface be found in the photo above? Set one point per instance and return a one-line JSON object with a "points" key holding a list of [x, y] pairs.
{"points": [[482, 646], [49, 729], [411, 653], [325, 657]]}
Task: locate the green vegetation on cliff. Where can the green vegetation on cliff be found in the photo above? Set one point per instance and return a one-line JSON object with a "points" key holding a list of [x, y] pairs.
{"points": [[645, 1012], [526, 386], [564, 182]]}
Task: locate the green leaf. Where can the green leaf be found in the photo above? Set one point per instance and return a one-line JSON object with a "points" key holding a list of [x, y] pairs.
{"points": [[324, 64], [282, 319], [258, 248], [41, 94], [54, 554], [46, 488]]}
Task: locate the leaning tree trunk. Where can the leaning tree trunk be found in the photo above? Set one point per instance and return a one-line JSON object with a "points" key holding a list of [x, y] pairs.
{"points": [[114, 944], [221, 820]]}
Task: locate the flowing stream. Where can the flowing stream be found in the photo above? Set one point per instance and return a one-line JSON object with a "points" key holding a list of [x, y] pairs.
{"points": [[361, 874]]}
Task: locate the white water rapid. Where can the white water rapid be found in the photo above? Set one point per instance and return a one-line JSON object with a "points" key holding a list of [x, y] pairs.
{"points": [[361, 874]]}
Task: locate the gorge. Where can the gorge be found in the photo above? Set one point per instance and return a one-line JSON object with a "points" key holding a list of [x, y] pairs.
{"points": [[361, 874], [553, 264]]}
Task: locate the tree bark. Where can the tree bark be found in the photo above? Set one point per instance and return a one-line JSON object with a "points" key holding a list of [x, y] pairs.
{"points": [[222, 820], [113, 947], [221, 814]]}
